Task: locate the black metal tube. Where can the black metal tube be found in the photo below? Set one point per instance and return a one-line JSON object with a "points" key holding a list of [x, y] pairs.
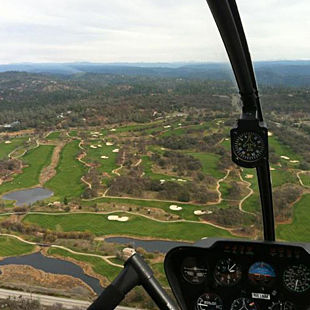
{"points": [[264, 183], [150, 284], [224, 19], [243, 40]]}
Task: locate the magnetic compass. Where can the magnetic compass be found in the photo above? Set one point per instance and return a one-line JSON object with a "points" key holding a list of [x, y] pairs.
{"points": [[249, 143]]}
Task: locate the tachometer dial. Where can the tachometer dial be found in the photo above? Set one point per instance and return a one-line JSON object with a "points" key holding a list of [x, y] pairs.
{"points": [[194, 271], [287, 305], [297, 278], [243, 304], [249, 146], [209, 301], [261, 273], [227, 272]]}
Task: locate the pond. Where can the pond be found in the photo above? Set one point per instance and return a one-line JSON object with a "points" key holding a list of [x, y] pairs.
{"points": [[161, 246], [54, 265], [28, 196]]}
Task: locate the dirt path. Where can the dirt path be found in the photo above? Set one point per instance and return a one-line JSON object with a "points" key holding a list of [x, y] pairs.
{"points": [[138, 163], [300, 180], [87, 183], [247, 196], [218, 185], [116, 171], [48, 172]]}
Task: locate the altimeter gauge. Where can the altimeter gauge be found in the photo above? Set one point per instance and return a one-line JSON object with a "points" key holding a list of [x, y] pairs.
{"points": [[296, 278], [227, 272]]}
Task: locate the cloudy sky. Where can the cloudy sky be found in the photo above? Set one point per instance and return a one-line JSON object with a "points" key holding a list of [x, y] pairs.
{"points": [[146, 30]]}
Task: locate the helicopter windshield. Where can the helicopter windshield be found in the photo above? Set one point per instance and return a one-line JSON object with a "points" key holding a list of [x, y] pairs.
{"points": [[119, 133]]}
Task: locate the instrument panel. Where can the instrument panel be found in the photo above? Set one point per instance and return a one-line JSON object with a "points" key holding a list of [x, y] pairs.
{"points": [[240, 275]]}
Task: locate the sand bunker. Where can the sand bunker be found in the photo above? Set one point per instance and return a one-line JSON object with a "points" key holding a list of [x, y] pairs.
{"points": [[118, 218], [199, 212], [93, 146], [113, 129], [270, 134], [99, 145], [8, 142], [249, 176], [294, 161], [285, 157], [115, 151], [272, 169], [162, 181], [109, 143], [181, 180], [167, 126], [104, 157], [175, 208]]}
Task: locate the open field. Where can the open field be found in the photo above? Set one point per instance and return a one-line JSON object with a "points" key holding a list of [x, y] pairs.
{"points": [[136, 226], [67, 181], [7, 148], [13, 247], [298, 230], [35, 160]]}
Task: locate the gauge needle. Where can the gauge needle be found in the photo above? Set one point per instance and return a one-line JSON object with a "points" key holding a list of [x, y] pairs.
{"points": [[296, 284], [231, 269]]}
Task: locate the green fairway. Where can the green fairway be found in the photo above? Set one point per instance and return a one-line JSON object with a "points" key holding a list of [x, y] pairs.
{"points": [[7, 148], [10, 246], [54, 135], [98, 264], [140, 226], [187, 211], [147, 168], [298, 230], [96, 149], [283, 176], [209, 163], [282, 150], [35, 159], [305, 178], [67, 181]]}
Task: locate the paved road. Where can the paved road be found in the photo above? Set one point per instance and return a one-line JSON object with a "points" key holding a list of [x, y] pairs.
{"points": [[50, 300]]}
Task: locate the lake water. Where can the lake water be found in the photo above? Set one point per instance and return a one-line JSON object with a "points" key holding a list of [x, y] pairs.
{"points": [[161, 246], [54, 265], [28, 196]]}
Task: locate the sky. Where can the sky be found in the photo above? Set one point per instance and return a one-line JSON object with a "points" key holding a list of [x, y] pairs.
{"points": [[146, 30]]}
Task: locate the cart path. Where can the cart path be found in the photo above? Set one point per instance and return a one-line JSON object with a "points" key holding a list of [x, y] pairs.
{"points": [[251, 192], [105, 258]]}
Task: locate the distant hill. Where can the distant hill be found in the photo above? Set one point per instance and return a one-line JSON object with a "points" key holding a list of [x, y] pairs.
{"points": [[269, 73]]}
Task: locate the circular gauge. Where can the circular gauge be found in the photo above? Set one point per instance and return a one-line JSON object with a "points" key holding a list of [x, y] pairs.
{"points": [[249, 146], [209, 301], [243, 304], [227, 272], [287, 305], [297, 278], [261, 273], [193, 271]]}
